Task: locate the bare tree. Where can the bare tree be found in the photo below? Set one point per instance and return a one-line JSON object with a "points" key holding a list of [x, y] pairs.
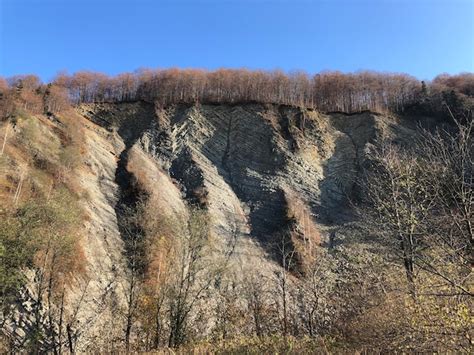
{"points": [[194, 277], [400, 203], [287, 253], [421, 198]]}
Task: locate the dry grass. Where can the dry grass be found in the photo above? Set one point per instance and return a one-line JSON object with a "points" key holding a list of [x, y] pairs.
{"points": [[255, 345]]}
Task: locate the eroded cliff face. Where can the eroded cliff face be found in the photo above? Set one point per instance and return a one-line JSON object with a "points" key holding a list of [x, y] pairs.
{"points": [[262, 173], [257, 169]]}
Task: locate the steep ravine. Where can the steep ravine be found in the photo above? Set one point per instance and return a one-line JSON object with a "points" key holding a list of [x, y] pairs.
{"points": [[130, 129]]}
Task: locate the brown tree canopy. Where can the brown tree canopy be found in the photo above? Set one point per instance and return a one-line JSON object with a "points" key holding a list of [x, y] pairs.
{"points": [[326, 91], [7, 104], [464, 82], [56, 99], [3, 85], [28, 82]]}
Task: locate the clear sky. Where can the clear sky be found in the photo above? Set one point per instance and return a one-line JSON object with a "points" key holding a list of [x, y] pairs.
{"points": [[419, 37]]}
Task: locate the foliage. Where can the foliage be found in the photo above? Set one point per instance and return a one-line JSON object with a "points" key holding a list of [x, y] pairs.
{"points": [[41, 254], [15, 254], [178, 275], [39, 235]]}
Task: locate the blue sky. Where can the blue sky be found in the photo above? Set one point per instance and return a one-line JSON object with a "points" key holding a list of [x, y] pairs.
{"points": [[419, 37]]}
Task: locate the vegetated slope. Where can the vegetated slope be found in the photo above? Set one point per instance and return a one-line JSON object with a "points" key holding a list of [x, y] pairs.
{"points": [[263, 174]]}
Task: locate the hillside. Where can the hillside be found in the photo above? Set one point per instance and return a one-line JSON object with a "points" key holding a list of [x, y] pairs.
{"points": [[139, 225]]}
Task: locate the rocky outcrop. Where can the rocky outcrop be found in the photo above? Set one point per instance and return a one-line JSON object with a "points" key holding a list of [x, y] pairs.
{"points": [[240, 161]]}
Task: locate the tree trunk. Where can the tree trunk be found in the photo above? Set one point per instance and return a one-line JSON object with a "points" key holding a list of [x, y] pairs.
{"points": [[70, 339], [4, 140], [408, 262]]}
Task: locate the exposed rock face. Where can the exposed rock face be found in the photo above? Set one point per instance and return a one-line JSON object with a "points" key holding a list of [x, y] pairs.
{"points": [[244, 162], [259, 170]]}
